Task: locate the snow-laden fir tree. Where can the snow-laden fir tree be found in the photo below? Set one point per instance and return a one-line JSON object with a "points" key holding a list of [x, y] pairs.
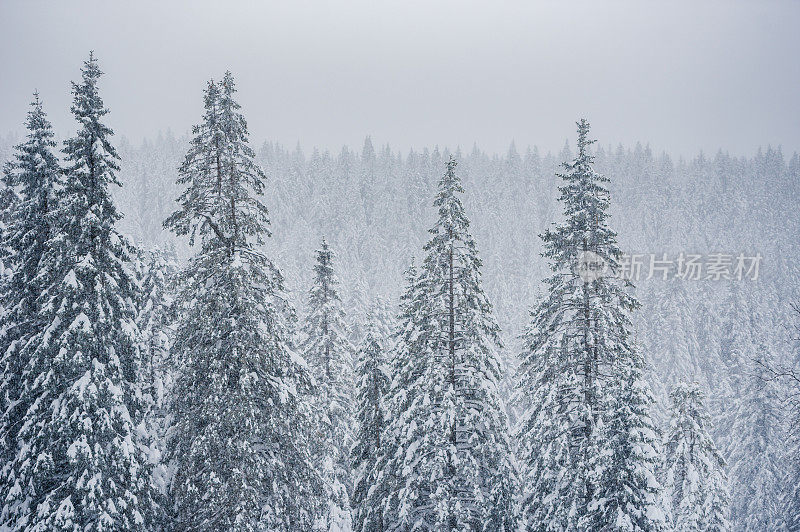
{"points": [[749, 419], [372, 384], [80, 464], [628, 494], [755, 447], [448, 427], [31, 216], [384, 315], [790, 501], [156, 271], [388, 490], [695, 483], [327, 350], [576, 347], [239, 443]]}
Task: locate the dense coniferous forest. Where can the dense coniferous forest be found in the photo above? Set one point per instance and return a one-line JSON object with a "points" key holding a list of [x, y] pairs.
{"points": [[211, 332]]}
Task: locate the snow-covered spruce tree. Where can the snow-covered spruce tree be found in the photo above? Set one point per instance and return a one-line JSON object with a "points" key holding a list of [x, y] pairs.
{"points": [[34, 171], [756, 446], [790, 501], [389, 494], [372, 384], [156, 271], [577, 341], [790, 375], [80, 464], [327, 350], [748, 418], [239, 443], [695, 483], [384, 315], [627, 491], [448, 425]]}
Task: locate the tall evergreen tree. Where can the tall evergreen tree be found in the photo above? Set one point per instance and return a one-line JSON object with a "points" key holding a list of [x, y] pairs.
{"points": [[577, 340], [240, 437], [696, 486], [31, 217], [790, 501], [628, 493], [448, 423], [329, 353], [80, 464], [754, 452], [748, 425], [156, 271], [389, 494], [372, 384]]}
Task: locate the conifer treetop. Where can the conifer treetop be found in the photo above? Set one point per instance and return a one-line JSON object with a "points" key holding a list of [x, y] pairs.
{"points": [[40, 135], [91, 150], [221, 202], [34, 169], [324, 277], [586, 200], [452, 222]]}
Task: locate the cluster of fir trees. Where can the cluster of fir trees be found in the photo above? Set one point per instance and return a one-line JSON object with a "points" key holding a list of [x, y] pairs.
{"points": [[717, 329], [431, 449], [74, 456], [136, 404]]}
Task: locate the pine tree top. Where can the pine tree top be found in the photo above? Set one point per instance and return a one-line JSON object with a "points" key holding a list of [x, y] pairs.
{"points": [[324, 301], [688, 398], [452, 222], [91, 150], [221, 203], [324, 276], [36, 174], [586, 201], [35, 162]]}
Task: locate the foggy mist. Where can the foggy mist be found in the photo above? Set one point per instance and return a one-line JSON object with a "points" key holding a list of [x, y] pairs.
{"points": [[679, 75]]}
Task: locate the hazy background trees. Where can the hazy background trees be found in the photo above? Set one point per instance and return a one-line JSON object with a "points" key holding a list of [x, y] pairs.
{"points": [[373, 205]]}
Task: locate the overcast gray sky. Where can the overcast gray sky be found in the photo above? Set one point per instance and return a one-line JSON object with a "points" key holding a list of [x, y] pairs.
{"points": [[681, 75]]}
